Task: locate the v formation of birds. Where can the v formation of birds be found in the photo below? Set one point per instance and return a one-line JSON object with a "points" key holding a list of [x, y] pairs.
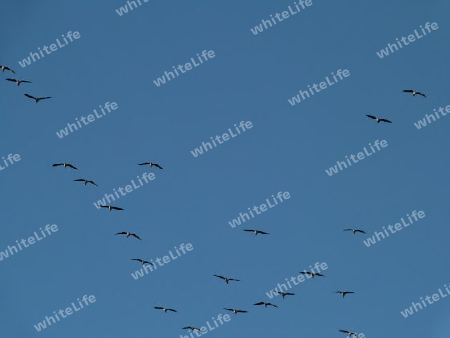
{"points": [[227, 280]]}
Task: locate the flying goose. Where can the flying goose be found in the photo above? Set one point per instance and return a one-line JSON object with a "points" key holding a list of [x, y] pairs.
{"points": [[265, 304], [110, 207], [312, 274], [226, 279], [85, 181], [65, 165], [151, 164], [18, 81], [343, 293], [349, 333], [285, 293], [191, 328], [37, 99], [164, 309], [142, 261], [235, 311], [413, 92], [256, 231], [378, 119], [355, 231], [128, 234], [7, 68]]}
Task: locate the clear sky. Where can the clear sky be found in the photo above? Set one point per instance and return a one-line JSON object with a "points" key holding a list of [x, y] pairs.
{"points": [[116, 58]]}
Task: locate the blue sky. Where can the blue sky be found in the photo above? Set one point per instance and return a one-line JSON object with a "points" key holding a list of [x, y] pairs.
{"points": [[251, 77]]}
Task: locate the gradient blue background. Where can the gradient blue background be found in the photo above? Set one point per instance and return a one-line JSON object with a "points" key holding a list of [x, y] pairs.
{"points": [[192, 200]]}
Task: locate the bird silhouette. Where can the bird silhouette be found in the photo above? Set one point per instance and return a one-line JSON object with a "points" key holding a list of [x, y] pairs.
{"points": [[85, 181], [343, 293], [37, 99], [65, 165], [256, 231], [3, 68], [413, 92], [265, 304], [128, 234], [151, 164], [283, 294], [378, 119], [142, 261], [165, 309], [226, 279], [236, 311], [18, 82], [312, 274], [355, 231], [110, 207]]}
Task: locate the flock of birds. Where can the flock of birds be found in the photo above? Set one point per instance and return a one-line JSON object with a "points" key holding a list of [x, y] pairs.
{"points": [[110, 207], [265, 304], [254, 231], [18, 82], [227, 280], [378, 120]]}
